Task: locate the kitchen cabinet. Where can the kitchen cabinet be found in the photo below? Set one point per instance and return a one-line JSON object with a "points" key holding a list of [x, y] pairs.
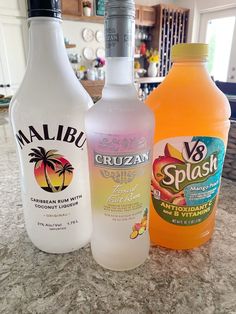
{"points": [[13, 33], [73, 10], [72, 7], [145, 15], [137, 14], [13, 8]]}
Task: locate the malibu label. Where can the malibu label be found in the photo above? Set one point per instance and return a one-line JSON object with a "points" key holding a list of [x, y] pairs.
{"points": [[65, 134]]}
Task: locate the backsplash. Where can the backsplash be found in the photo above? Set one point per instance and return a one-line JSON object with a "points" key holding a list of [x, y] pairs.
{"points": [[74, 31]]}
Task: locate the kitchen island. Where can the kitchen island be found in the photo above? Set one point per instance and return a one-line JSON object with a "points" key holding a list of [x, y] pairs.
{"points": [[202, 280]]}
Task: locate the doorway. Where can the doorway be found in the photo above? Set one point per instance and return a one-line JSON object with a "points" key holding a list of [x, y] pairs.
{"points": [[218, 29]]}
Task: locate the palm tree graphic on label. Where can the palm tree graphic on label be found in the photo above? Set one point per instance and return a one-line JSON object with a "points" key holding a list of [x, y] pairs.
{"points": [[62, 171], [52, 171]]}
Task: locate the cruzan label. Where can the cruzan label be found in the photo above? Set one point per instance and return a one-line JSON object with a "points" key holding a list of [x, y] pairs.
{"points": [[121, 161], [62, 133], [120, 174]]}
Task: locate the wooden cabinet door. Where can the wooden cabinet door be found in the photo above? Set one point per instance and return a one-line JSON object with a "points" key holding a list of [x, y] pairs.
{"points": [[12, 53], [71, 7], [148, 16], [138, 14]]}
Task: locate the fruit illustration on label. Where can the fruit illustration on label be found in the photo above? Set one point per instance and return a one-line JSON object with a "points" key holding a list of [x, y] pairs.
{"points": [[171, 151], [176, 170], [52, 171], [170, 158], [186, 178], [134, 235], [140, 227], [179, 201]]}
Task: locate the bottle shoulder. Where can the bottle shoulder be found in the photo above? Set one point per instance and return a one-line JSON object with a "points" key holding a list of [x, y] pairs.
{"points": [[56, 99], [176, 99], [121, 105], [119, 116], [115, 110]]}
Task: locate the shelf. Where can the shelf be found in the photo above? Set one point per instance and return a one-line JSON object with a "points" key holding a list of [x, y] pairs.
{"points": [[89, 19], [68, 46], [143, 80]]}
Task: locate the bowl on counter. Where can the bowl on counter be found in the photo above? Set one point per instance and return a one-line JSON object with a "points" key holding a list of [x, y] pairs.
{"points": [[139, 72]]}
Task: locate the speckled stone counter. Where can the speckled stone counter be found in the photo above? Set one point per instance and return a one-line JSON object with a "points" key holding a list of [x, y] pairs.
{"points": [[202, 280]]}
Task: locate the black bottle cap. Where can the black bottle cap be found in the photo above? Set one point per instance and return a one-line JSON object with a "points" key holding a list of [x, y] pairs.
{"points": [[48, 8]]}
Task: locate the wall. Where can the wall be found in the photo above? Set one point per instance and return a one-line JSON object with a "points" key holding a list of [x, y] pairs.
{"points": [[197, 7], [73, 31], [152, 2], [214, 4], [193, 19]]}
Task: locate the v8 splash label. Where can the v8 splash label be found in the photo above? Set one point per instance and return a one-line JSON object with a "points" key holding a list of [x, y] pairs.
{"points": [[186, 178]]}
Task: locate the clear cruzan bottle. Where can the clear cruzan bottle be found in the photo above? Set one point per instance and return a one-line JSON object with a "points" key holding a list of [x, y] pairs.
{"points": [[120, 130], [47, 116]]}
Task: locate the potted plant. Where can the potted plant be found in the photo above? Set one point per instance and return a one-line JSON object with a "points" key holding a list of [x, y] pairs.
{"points": [[87, 7], [99, 63], [153, 59]]}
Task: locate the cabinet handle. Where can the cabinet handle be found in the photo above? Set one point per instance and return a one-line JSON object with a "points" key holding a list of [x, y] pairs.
{"points": [[5, 85]]}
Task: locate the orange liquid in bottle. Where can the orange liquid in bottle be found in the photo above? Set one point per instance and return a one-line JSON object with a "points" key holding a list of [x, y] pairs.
{"points": [[192, 124]]}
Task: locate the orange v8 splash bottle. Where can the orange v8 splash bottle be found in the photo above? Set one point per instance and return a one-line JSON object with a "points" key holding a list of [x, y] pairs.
{"points": [[192, 124], [47, 115]]}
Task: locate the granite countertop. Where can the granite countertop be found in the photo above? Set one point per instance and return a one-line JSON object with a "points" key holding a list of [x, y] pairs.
{"points": [[202, 280]]}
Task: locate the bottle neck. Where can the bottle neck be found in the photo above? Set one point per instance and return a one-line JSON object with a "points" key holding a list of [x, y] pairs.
{"points": [[119, 83], [119, 71], [46, 45], [190, 64], [119, 45]]}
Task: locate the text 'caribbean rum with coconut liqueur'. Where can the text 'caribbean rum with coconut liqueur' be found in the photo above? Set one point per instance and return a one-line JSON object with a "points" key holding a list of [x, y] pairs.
{"points": [[47, 116], [120, 136]]}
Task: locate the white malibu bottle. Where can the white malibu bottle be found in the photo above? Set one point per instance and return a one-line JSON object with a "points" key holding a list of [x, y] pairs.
{"points": [[120, 134], [47, 116]]}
